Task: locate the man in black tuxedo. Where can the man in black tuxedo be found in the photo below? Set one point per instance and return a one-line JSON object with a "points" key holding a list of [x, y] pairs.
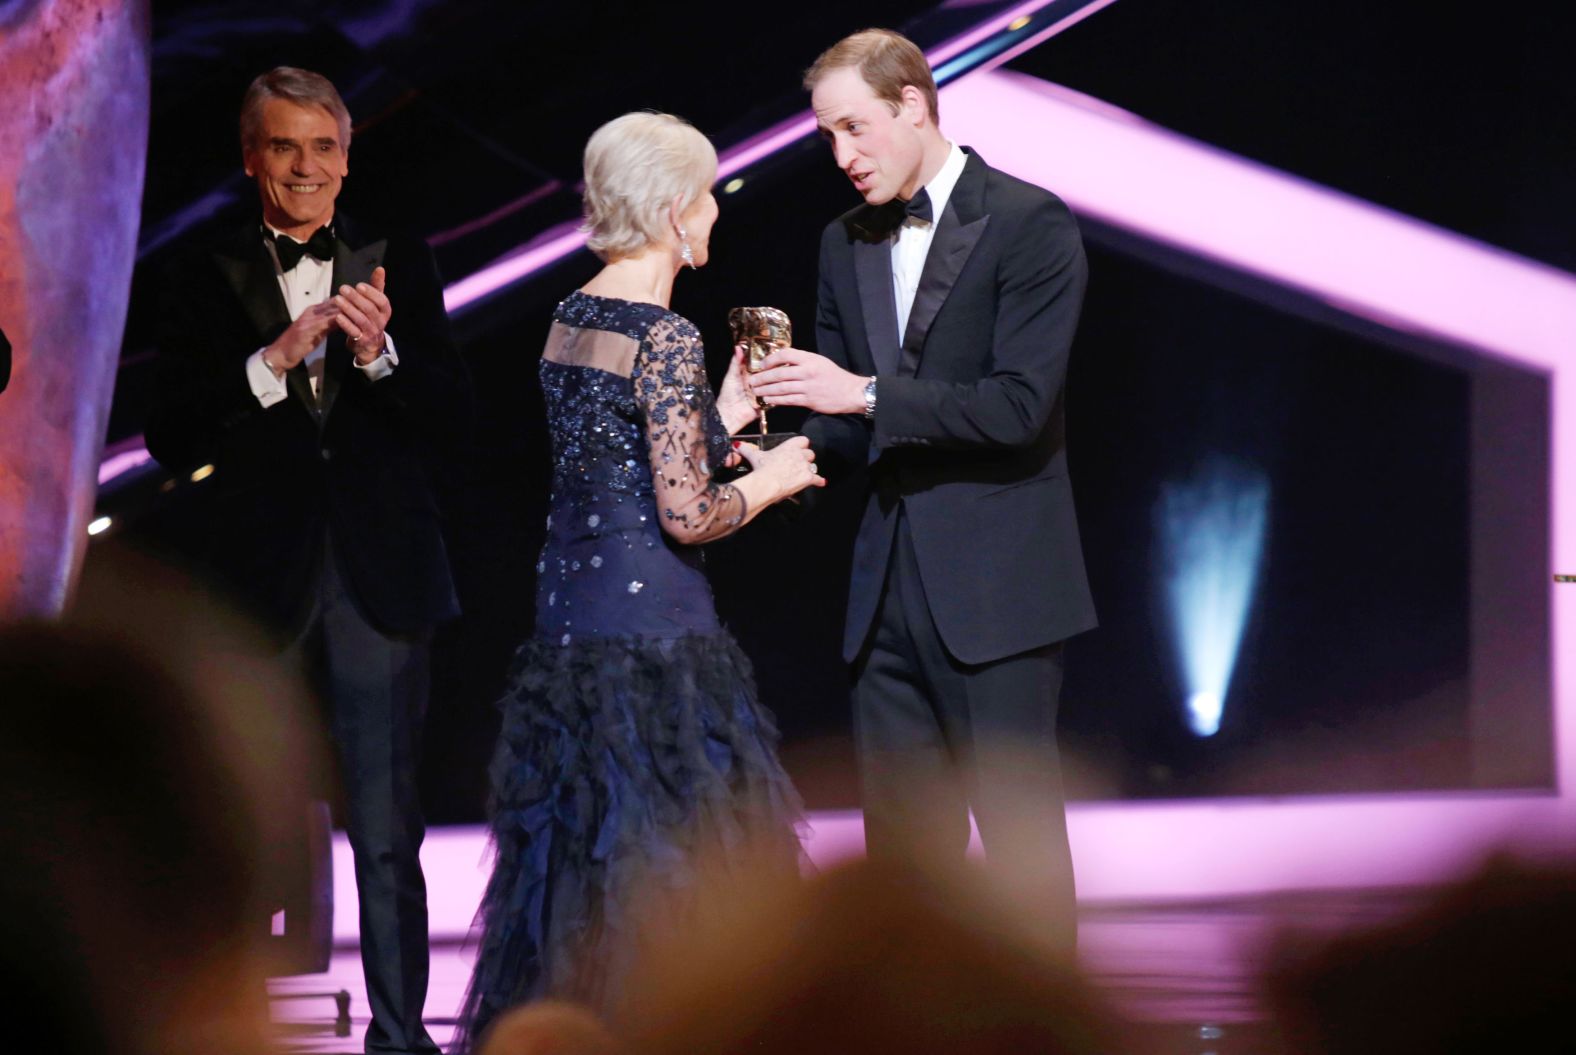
{"points": [[946, 311], [313, 368]]}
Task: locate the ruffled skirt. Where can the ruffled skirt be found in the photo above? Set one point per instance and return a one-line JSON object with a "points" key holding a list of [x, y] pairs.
{"points": [[623, 766]]}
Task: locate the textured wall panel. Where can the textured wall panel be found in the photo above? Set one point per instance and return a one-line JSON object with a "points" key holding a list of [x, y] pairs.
{"points": [[74, 83]]}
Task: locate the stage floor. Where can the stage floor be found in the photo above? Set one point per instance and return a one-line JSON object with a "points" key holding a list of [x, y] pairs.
{"points": [[1186, 972]]}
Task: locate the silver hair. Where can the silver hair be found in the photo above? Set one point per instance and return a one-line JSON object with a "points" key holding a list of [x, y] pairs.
{"points": [[635, 166], [302, 87]]}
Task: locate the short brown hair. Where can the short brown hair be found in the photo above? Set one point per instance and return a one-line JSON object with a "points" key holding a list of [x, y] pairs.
{"points": [[888, 61], [302, 87]]}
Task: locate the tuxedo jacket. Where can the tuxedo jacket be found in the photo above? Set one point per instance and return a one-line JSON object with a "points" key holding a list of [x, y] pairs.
{"points": [[969, 437], [353, 467]]}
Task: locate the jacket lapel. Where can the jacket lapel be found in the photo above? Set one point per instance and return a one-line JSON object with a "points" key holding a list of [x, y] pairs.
{"points": [[958, 231], [877, 301], [351, 266], [871, 229], [248, 267]]}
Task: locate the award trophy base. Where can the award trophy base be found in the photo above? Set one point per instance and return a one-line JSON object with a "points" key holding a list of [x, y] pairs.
{"points": [[762, 436], [765, 441]]}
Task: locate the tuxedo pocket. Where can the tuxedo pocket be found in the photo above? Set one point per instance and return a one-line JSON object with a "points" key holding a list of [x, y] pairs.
{"points": [[1018, 485]]}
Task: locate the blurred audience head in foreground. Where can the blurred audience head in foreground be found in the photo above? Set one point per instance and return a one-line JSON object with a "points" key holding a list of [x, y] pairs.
{"points": [[147, 803], [550, 1027], [1486, 964], [873, 957]]}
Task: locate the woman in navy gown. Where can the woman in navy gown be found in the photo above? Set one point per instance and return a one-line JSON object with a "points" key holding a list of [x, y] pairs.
{"points": [[633, 744]]}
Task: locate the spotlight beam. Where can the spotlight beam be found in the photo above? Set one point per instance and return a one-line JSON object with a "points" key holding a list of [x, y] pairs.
{"points": [[1211, 533]]}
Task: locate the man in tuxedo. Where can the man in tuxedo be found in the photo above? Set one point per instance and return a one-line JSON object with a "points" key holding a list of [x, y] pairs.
{"points": [[945, 315], [312, 367]]}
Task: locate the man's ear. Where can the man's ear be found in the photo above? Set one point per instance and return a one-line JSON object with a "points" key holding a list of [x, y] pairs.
{"points": [[915, 109]]}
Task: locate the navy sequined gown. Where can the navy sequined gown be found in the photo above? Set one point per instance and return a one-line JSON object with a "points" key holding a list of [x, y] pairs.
{"points": [[632, 740]]}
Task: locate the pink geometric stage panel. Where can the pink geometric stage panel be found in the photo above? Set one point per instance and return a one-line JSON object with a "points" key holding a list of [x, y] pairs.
{"points": [[1370, 263], [556, 243]]}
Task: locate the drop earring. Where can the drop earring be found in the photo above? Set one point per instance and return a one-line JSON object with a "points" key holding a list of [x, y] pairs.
{"points": [[685, 252]]}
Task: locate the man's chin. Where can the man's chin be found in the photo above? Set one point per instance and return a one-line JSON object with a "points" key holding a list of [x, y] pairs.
{"points": [[289, 222]]}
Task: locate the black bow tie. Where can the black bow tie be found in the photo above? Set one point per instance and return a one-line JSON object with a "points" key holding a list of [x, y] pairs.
{"points": [[290, 251], [886, 218], [918, 207]]}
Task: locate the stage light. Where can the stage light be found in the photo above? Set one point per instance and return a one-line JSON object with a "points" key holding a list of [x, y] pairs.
{"points": [[117, 465], [733, 185], [1017, 24], [1211, 532], [201, 473], [99, 525], [1204, 710]]}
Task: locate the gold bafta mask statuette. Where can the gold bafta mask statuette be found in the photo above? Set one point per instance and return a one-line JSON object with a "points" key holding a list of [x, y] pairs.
{"points": [[762, 331]]}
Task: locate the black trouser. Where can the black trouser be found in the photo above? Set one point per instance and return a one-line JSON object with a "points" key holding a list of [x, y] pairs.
{"points": [[936, 737], [375, 688]]}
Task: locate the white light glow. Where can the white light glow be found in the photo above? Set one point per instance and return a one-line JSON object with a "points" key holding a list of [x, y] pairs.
{"points": [[1204, 710], [1211, 531]]}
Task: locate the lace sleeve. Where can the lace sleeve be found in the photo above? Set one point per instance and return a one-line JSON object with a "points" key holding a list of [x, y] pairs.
{"points": [[685, 433]]}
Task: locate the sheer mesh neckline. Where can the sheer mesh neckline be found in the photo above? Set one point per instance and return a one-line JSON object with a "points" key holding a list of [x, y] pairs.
{"points": [[616, 300], [591, 304], [632, 318]]}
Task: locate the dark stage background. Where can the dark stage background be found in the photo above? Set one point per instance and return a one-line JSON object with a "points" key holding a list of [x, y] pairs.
{"points": [[1356, 668]]}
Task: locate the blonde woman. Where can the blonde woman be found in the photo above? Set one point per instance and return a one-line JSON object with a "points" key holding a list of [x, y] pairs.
{"points": [[633, 744]]}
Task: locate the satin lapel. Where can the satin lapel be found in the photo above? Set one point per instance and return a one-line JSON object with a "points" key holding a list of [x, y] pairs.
{"points": [[351, 266], [356, 265], [873, 273], [249, 269], [949, 251]]}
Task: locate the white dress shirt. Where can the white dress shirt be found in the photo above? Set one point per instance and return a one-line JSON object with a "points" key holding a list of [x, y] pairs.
{"points": [[911, 244], [310, 282]]}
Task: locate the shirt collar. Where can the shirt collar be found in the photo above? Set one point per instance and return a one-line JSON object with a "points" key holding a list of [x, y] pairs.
{"points": [[940, 187], [271, 232]]}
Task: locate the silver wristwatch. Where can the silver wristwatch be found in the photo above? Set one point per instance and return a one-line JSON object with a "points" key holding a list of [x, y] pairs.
{"points": [[870, 398]]}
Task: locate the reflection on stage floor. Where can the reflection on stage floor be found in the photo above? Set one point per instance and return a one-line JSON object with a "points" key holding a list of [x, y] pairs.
{"points": [[1186, 973]]}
